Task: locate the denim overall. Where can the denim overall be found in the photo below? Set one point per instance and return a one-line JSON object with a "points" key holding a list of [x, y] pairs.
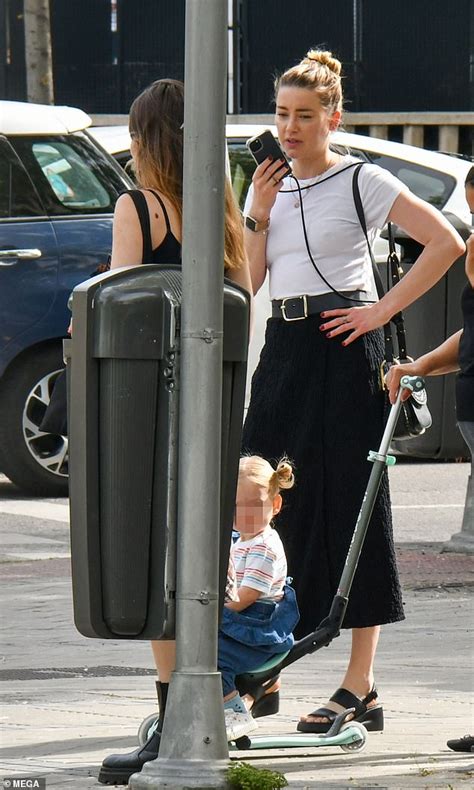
{"points": [[249, 638]]}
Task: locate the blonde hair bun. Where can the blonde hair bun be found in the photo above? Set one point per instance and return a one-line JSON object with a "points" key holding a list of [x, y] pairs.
{"points": [[326, 59], [261, 472], [284, 473]]}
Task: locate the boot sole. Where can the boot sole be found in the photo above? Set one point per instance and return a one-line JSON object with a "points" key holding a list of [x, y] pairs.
{"points": [[114, 777]]}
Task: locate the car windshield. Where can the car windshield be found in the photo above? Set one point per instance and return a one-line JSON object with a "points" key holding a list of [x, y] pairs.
{"points": [[70, 174]]}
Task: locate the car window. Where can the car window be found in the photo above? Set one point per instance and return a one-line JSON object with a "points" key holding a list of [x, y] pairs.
{"points": [[17, 195], [69, 177], [70, 174], [425, 183], [242, 167]]}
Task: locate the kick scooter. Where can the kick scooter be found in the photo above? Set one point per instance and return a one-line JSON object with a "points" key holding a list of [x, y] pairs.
{"points": [[349, 735]]}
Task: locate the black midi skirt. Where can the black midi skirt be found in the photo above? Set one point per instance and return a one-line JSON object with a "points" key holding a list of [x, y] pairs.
{"points": [[321, 404]]}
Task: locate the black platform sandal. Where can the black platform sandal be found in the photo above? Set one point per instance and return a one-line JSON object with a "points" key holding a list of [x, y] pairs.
{"points": [[371, 718], [266, 700]]}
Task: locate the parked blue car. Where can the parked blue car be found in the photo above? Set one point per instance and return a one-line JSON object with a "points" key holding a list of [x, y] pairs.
{"points": [[58, 189]]}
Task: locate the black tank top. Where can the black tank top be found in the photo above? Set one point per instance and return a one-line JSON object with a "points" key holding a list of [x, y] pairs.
{"points": [[169, 251]]}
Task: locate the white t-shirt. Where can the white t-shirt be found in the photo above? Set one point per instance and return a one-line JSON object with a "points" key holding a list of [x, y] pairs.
{"points": [[260, 563], [335, 237]]}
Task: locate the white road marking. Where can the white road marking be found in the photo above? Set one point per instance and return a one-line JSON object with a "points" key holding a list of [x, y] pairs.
{"points": [[36, 509], [423, 507]]}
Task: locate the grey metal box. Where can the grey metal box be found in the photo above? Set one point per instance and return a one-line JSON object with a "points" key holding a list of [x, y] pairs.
{"points": [[123, 430]]}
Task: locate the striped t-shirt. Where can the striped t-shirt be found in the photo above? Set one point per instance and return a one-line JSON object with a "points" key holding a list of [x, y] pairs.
{"points": [[260, 563]]}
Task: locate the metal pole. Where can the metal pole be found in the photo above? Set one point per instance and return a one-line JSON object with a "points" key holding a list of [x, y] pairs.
{"points": [[368, 502], [357, 49], [194, 750], [3, 50]]}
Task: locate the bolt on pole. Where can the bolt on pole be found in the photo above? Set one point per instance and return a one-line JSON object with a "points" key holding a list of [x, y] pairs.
{"points": [[194, 749]]}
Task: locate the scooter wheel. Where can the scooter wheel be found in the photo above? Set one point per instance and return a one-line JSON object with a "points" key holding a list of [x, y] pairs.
{"points": [[360, 743], [146, 728], [243, 743]]}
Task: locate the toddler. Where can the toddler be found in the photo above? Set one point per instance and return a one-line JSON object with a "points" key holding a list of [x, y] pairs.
{"points": [[260, 612]]}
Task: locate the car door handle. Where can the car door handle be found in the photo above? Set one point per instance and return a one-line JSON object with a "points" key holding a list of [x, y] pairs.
{"points": [[22, 255]]}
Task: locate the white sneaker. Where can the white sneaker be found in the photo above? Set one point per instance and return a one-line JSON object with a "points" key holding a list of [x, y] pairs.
{"points": [[238, 724]]}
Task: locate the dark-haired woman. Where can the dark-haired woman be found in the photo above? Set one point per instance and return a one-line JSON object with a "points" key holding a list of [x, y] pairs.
{"points": [[148, 229]]}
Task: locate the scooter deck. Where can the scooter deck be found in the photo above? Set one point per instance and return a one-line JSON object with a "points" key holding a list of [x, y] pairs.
{"points": [[349, 735]]}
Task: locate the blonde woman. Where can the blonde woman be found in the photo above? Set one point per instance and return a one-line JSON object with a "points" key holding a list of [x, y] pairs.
{"points": [[318, 378]]}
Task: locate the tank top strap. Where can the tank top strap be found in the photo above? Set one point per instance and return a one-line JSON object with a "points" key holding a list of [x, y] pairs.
{"points": [[160, 201], [141, 207]]}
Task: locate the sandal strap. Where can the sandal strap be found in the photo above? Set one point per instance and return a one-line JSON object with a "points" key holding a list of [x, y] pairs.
{"points": [[349, 700], [371, 696], [326, 713]]}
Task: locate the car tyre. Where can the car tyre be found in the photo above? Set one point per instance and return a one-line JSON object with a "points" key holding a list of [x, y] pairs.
{"points": [[35, 461]]}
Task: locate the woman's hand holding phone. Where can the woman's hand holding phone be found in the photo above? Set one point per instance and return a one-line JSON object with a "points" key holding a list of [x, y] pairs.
{"points": [[272, 167], [266, 185]]}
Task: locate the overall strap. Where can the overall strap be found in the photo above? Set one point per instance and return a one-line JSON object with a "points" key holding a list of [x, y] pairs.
{"points": [[141, 207], [394, 273], [160, 201]]}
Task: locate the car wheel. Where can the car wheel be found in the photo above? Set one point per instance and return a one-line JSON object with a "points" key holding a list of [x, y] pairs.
{"points": [[35, 461]]}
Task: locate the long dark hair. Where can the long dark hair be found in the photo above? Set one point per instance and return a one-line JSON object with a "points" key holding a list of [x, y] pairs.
{"points": [[156, 123], [156, 118]]}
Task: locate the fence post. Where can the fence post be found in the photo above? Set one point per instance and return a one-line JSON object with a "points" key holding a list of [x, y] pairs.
{"points": [[413, 135], [449, 139], [379, 131]]}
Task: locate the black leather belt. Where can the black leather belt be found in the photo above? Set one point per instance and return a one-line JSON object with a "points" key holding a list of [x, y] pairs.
{"points": [[295, 308]]}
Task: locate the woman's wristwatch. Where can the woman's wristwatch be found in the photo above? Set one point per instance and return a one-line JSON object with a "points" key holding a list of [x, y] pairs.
{"points": [[256, 226]]}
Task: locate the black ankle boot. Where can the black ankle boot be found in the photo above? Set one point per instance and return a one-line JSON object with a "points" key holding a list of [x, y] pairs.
{"points": [[118, 768]]}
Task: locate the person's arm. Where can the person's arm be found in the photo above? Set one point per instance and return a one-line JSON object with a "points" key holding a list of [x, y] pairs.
{"points": [[127, 241], [265, 191], [241, 276], [127, 238], [442, 246], [247, 596], [470, 260], [443, 359]]}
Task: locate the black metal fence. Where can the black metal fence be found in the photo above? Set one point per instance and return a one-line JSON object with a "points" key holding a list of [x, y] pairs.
{"points": [[397, 55], [402, 55]]}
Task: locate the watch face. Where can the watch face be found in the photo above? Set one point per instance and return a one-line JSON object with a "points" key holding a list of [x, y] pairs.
{"points": [[257, 227]]}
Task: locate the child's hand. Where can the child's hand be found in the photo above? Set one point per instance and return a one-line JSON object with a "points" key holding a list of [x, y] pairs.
{"points": [[247, 596]]}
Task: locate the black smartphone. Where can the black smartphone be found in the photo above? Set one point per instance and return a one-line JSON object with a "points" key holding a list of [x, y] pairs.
{"points": [[264, 145]]}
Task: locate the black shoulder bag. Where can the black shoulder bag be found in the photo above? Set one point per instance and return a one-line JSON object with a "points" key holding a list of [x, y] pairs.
{"points": [[415, 416]]}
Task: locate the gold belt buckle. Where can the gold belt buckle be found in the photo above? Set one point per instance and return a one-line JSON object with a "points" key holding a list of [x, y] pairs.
{"points": [[297, 317]]}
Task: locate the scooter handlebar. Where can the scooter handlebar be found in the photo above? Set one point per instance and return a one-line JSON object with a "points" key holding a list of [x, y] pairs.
{"points": [[413, 383]]}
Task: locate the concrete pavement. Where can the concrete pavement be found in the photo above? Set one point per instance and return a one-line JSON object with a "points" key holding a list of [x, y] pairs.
{"points": [[68, 701]]}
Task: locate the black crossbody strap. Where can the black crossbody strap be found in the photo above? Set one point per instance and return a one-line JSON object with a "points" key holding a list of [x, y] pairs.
{"points": [[141, 206], [387, 330], [394, 274]]}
